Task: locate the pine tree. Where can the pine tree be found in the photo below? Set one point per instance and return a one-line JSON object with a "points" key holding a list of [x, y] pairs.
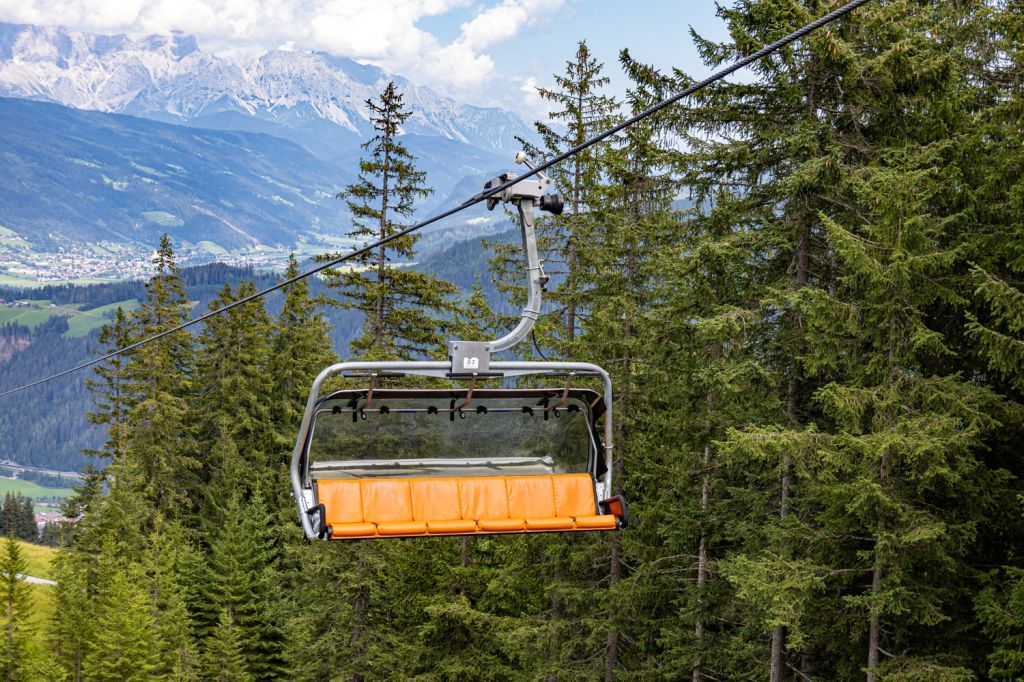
{"points": [[580, 112], [761, 169], [125, 646], [242, 580], [73, 621], [474, 320], [301, 348], [634, 221], [223, 660], [16, 662], [233, 398], [167, 553], [994, 150], [17, 518], [110, 397], [403, 308], [1001, 610], [158, 454], [908, 427], [995, 324]]}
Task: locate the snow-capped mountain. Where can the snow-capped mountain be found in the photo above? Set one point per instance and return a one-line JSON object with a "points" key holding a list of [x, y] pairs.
{"points": [[312, 98]]}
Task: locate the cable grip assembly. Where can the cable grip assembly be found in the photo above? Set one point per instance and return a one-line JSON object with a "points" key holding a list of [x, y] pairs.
{"points": [[469, 357]]}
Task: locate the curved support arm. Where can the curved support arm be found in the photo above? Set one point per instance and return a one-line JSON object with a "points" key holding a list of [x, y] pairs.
{"points": [[535, 284]]}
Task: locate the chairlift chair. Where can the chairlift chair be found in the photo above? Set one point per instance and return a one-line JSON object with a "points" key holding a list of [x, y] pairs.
{"points": [[381, 461]]}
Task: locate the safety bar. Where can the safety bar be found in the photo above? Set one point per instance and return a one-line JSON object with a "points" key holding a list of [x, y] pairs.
{"points": [[299, 469]]}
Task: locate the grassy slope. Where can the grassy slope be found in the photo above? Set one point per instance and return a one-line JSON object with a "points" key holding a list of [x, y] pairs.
{"points": [[39, 558], [29, 489], [84, 322], [80, 323], [31, 317], [40, 564], [42, 612]]}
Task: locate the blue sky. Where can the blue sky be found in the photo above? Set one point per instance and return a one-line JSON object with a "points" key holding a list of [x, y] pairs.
{"points": [[479, 51], [655, 32]]}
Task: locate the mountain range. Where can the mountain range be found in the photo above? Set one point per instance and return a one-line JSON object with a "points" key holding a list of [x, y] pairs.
{"points": [[154, 135], [313, 98]]}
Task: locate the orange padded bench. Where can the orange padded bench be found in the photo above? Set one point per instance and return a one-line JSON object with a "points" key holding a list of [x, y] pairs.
{"points": [[405, 507]]}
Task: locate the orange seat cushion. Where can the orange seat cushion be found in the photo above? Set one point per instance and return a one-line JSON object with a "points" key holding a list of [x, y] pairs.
{"points": [[342, 500], [603, 522], [396, 507], [574, 495], [435, 498], [555, 523], [353, 530], [449, 527], [402, 528], [501, 525], [530, 497], [483, 498], [386, 499]]}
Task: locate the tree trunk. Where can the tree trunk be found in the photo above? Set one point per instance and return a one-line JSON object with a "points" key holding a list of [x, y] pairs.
{"points": [[702, 561], [875, 622], [874, 625], [612, 644], [378, 312], [612, 655], [800, 277]]}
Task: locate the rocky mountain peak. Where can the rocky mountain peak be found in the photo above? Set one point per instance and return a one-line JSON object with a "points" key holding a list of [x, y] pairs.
{"points": [[168, 78]]}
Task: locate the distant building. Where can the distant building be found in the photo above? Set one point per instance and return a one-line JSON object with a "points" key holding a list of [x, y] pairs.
{"points": [[47, 518]]}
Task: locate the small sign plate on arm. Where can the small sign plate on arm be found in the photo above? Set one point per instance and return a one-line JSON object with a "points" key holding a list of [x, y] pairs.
{"points": [[470, 357]]}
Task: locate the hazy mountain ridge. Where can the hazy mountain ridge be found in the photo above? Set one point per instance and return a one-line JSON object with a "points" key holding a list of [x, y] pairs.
{"points": [[85, 176], [252, 159], [169, 78]]}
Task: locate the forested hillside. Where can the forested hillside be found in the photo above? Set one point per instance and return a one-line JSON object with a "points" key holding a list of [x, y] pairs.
{"points": [[49, 429], [819, 385]]}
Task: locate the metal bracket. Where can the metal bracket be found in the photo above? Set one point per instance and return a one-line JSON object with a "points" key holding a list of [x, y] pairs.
{"points": [[470, 357], [474, 356]]}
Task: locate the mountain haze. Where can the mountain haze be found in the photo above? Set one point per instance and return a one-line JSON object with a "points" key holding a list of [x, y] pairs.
{"points": [[313, 98], [238, 159], [82, 176]]}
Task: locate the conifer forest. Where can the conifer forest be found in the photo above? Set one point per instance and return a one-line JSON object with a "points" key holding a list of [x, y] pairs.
{"points": [[807, 284]]}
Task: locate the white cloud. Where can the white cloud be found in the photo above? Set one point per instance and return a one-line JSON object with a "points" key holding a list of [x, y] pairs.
{"points": [[384, 32]]}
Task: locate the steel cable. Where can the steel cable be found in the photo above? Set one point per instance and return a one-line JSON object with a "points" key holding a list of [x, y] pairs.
{"points": [[646, 113]]}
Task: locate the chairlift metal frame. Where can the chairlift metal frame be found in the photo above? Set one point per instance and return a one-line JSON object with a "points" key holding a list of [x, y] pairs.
{"points": [[469, 361]]}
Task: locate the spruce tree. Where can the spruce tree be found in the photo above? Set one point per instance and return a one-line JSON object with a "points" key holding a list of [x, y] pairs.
{"points": [[125, 646], [71, 631], [233, 396], [760, 167], [300, 349], [167, 554], [110, 396], [1001, 611], [223, 660], [403, 309], [243, 580], [158, 454], [16, 655], [580, 111], [634, 220], [995, 321]]}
